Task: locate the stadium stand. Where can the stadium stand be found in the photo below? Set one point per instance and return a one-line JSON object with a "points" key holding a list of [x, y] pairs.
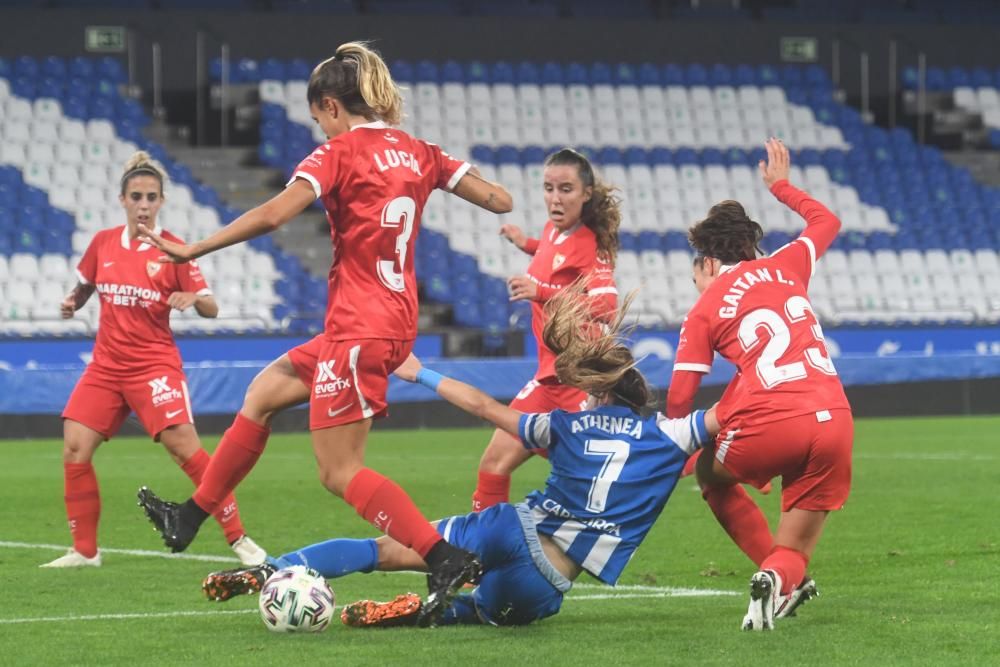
{"points": [[67, 129], [700, 126]]}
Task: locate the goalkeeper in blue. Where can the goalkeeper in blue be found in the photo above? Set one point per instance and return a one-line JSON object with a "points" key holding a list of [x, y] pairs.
{"points": [[613, 470]]}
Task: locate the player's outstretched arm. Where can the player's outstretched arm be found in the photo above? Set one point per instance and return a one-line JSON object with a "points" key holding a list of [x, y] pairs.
{"points": [[258, 221], [822, 226], [492, 196], [461, 395], [75, 299]]}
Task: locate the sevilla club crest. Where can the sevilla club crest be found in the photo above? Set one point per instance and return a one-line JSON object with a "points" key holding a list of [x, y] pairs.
{"points": [[152, 268], [557, 261]]}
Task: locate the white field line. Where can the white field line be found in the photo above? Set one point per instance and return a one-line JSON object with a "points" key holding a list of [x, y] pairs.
{"points": [[123, 617], [621, 592], [126, 552]]}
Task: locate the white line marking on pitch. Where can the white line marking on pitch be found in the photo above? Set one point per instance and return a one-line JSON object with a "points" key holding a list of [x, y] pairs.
{"points": [[627, 591], [123, 617], [127, 552]]}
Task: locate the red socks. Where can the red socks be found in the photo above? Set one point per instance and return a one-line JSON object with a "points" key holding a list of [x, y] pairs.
{"points": [[386, 506], [789, 564], [83, 506], [739, 515], [234, 458], [228, 515], [491, 490]]}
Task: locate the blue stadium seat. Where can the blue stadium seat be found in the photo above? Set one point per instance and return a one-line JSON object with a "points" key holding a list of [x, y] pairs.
{"points": [[721, 75], [427, 71], [576, 73], [26, 66], [532, 155], [600, 74], [299, 69], [649, 75], [54, 66], [272, 69], [672, 75], [528, 73], [451, 72], [502, 72], [624, 74], [696, 74], [552, 73]]}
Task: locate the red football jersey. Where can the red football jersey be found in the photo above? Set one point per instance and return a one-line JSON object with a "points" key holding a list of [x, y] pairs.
{"points": [[559, 259], [134, 330], [374, 182], [757, 315]]}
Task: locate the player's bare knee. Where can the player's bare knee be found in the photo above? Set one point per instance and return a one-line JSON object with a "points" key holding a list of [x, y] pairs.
{"points": [[334, 481], [501, 456]]}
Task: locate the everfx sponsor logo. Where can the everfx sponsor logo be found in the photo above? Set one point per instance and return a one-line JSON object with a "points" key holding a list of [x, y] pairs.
{"points": [[163, 392], [327, 382]]}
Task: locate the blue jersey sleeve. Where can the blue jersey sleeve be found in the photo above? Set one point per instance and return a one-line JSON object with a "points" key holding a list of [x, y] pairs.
{"points": [[533, 430], [688, 433]]}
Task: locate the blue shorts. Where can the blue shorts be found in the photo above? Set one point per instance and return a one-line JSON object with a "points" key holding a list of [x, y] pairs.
{"points": [[519, 584]]}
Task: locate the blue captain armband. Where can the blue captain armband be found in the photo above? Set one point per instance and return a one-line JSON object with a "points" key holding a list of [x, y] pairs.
{"points": [[698, 428], [431, 379]]}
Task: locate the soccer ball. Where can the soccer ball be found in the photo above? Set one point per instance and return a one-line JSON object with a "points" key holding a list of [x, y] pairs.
{"points": [[296, 599]]}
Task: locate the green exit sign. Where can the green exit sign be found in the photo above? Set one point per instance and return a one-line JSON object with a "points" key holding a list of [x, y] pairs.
{"points": [[799, 49], [105, 38]]}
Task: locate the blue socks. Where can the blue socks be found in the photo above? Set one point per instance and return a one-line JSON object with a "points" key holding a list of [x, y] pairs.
{"points": [[333, 558]]}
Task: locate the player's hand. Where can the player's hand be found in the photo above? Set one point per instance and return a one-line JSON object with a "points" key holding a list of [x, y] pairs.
{"points": [[182, 300], [409, 368], [177, 253], [776, 167], [522, 288], [68, 307], [513, 234]]}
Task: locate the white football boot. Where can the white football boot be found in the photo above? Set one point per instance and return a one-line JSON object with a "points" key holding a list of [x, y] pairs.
{"points": [[248, 551], [74, 558], [765, 591], [803, 593]]}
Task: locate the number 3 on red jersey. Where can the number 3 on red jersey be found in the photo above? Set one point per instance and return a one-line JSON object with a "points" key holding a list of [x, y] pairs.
{"points": [[399, 212], [771, 374]]}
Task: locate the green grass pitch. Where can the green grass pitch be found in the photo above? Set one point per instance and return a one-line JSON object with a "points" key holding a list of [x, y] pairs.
{"points": [[909, 572]]}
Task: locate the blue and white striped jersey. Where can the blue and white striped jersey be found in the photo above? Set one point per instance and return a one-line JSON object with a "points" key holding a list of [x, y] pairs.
{"points": [[612, 473]]}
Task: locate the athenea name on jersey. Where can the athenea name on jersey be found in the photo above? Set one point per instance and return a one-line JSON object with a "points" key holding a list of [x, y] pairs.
{"points": [[128, 295], [744, 283], [608, 424], [395, 158]]}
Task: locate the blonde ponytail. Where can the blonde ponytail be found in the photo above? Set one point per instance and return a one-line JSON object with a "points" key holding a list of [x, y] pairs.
{"points": [[589, 358], [358, 77]]}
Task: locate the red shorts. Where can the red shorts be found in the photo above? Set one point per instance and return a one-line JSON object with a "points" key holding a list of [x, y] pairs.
{"points": [[159, 398], [548, 395], [348, 379], [811, 453]]}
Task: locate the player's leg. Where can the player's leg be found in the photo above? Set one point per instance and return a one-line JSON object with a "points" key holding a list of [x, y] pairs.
{"points": [[184, 446], [734, 509], [94, 412], [82, 494], [808, 496], [276, 388], [504, 453]]}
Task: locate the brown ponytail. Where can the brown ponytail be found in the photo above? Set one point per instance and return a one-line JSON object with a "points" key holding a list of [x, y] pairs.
{"points": [[727, 234]]}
